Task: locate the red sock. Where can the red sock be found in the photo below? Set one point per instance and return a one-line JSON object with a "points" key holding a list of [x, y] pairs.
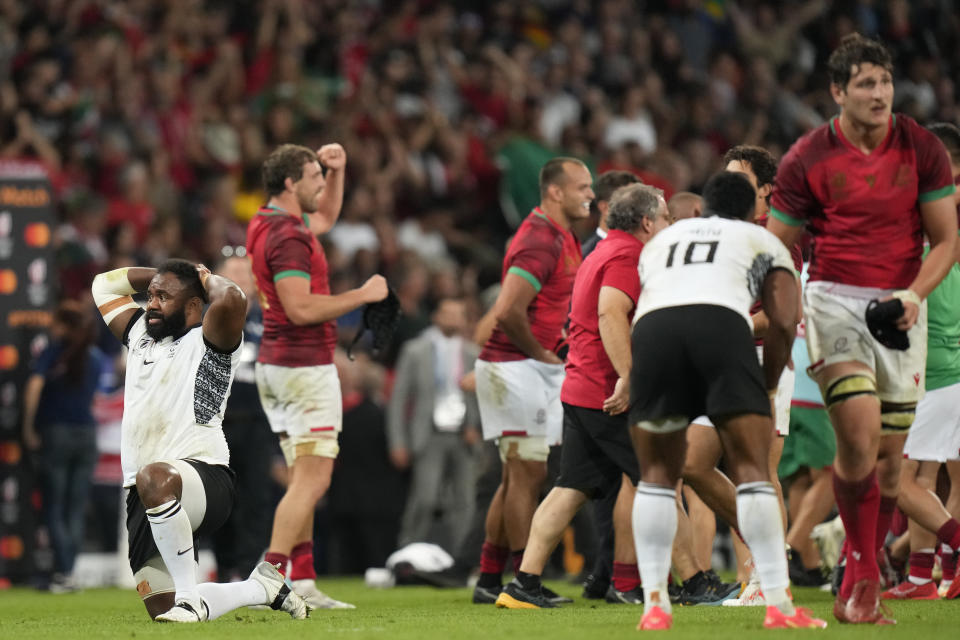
{"points": [[921, 564], [493, 559], [517, 557], [858, 503], [948, 562], [949, 533], [301, 561], [888, 507], [278, 560], [626, 577]]}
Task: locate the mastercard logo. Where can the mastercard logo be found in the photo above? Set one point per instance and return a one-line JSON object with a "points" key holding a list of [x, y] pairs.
{"points": [[8, 357], [8, 281], [37, 234], [11, 547], [10, 452]]}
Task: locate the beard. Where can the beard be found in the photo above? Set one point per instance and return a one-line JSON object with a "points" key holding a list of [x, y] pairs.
{"points": [[308, 204], [169, 325]]}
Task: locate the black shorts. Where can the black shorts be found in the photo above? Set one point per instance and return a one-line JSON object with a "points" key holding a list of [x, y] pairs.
{"points": [[694, 360], [596, 451], [218, 484]]}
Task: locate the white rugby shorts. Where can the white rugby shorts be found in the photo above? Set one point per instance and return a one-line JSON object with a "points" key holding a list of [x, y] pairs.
{"points": [[935, 434], [837, 332], [520, 398], [301, 401]]}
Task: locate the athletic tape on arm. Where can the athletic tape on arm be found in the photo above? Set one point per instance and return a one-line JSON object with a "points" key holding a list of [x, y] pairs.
{"points": [[112, 293]]}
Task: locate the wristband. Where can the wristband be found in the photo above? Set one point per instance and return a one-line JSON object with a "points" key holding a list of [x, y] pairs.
{"points": [[907, 295]]}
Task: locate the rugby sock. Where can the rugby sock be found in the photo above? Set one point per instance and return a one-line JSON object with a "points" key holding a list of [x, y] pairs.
{"points": [[301, 561], [517, 558], [858, 503], [654, 527], [921, 566], [626, 576], [948, 562], [888, 506], [758, 514], [493, 559], [949, 533], [528, 581], [223, 598], [173, 536], [279, 560]]}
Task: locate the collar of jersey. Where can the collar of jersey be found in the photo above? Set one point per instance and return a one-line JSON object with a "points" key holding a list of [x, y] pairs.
{"points": [[837, 131], [537, 211], [274, 210], [614, 233]]}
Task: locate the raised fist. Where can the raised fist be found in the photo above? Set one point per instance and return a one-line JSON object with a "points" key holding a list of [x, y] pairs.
{"points": [[332, 156]]}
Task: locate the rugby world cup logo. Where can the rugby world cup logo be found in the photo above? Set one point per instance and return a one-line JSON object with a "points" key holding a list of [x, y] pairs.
{"points": [[37, 288], [6, 242]]}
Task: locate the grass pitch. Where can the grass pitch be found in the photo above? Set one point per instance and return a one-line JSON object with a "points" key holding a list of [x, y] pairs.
{"points": [[424, 613]]}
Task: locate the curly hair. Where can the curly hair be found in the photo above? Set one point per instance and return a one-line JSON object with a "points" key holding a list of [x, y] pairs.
{"points": [[728, 194], [286, 161], [854, 51], [186, 273], [761, 162]]}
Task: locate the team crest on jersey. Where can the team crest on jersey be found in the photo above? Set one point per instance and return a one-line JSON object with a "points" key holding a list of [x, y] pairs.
{"points": [[904, 176], [838, 185], [871, 178]]}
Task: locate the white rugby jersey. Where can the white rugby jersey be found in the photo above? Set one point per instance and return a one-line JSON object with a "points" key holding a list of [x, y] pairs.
{"points": [[712, 260], [174, 397]]}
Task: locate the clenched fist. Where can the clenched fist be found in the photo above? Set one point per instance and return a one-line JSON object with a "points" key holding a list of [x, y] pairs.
{"points": [[332, 156]]}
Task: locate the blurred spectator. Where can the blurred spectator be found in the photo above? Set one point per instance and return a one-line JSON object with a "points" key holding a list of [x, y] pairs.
{"points": [[433, 428], [59, 423]]}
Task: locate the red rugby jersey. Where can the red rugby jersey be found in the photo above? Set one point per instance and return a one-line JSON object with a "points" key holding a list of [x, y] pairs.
{"points": [[547, 256], [862, 209], [590, 375], [282, 246]]}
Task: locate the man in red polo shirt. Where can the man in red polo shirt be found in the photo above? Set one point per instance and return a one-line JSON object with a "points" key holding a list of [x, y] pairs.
{"points": [[596, 394]]}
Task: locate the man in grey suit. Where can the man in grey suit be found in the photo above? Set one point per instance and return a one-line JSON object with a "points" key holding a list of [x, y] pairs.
{"points": [[433, 425]]}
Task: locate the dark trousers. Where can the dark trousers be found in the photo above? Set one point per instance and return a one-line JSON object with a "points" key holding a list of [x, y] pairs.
{"points": [[69, 456]]}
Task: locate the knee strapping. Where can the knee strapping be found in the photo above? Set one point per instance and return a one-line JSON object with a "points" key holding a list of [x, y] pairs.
{"points": [[848, 386], [897, 417], [153, 578]]}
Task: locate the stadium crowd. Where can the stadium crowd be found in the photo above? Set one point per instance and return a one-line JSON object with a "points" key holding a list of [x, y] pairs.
{"points": [[153, 118]]}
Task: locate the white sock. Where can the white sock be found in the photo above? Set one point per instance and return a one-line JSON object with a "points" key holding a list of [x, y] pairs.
{"points": [[654, 527], [223, 598], [758, 514], [174, 538]]}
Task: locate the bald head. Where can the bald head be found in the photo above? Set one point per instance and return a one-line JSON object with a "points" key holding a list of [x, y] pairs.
{"points": [[685, 205]]}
